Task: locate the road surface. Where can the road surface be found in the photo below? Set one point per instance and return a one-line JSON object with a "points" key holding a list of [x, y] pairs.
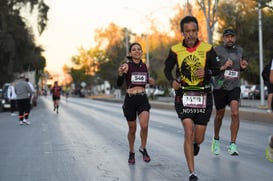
{"points": [[87, 141]]}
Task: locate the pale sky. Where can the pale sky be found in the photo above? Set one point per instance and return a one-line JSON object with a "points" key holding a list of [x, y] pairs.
{"points": [[72, 23]]}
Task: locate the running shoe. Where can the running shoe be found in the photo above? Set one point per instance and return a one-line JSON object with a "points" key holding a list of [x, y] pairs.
{"points": [[215, 147], [131, 159], [57, 108], [21, 122], [193, 177], [196, 149], [25, 121], [269, 151], [232, 149], [145, 155]]}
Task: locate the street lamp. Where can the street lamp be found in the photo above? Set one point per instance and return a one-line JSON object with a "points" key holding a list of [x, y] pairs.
{"points": [[127, 41], [261, 51], [146, 36]]}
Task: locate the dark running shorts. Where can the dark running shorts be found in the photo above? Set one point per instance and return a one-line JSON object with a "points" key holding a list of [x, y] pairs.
{"points": [[269, 88], [135, 104], [199, 116], [55, 98], [222, 98]]}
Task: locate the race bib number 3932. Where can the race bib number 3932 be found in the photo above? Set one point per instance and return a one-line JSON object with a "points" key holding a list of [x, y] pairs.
{"points": [[194, 99]]}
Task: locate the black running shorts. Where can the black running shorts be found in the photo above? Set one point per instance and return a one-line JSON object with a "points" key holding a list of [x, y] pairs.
{"points": [[222, 98], [270, 88], [55, 98], [135, 104], [199, 116]]}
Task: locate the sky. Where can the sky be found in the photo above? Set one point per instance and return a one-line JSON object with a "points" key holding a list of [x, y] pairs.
{"points": [[72, 23]]}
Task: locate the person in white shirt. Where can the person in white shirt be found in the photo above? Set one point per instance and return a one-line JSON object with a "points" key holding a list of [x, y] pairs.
{"points": [[30, 84], [32, 96], [12, 98]]}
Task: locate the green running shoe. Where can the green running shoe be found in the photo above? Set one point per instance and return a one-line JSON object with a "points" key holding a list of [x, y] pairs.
{"points": [[269, 151], [232, 149], [215, 147]]}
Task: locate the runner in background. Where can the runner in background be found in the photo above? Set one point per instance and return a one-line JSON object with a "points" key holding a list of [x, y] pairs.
{"points": [[32, 98], [66, 92], [56, 96], [269, 149], [226, 90], [23, 92]]}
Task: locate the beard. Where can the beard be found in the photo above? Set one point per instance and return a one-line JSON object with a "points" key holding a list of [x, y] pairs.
{"points": [[190, 42], [229, 44]]}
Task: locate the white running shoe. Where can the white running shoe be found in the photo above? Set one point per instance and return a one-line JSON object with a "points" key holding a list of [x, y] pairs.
{"points": [[25, 121], [21, 122]]}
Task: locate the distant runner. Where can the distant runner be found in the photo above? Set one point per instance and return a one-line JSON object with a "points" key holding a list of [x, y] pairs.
{"points": [[56, 96]]}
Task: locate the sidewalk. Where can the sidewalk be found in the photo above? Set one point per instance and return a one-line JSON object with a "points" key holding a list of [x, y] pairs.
{"points": [[250, 110]]}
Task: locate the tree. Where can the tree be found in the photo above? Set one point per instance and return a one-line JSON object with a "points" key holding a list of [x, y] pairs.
{"points": [[242, 17], [209, 9], [115, 50], [184, 10], [88, 62], [18, 51]]}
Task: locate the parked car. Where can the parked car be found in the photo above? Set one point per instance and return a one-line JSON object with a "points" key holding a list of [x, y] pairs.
{"points": [[255, 92], [171, 92], [245, 89], [154, 92], [5, 103]]}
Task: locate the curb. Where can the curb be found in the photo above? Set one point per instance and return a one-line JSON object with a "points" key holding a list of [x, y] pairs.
{"points": [[246, 113]]}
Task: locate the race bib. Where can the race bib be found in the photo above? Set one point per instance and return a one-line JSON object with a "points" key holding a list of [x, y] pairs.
{"points": [[139, 78], [194, 99], [231, 74]]}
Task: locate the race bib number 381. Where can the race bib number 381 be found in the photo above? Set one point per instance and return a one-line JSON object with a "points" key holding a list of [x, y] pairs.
{"points": [[139, 78], [194, 99], [231, 74]]}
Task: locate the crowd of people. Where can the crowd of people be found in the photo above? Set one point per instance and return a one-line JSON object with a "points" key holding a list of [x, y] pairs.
{"points": [[198, 65], [21, 95]]}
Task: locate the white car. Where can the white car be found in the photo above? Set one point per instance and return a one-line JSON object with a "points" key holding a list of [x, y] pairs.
{"points": [[245, 90], [154, 92]]}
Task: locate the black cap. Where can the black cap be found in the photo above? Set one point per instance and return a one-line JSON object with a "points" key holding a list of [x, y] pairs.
{"points": [[229, 32]]}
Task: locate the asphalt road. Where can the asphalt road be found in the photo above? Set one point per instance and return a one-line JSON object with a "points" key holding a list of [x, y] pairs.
{"points": [[87, 141]]}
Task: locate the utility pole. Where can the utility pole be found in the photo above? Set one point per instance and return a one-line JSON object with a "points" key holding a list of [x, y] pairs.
{"points": [[147, 50], [261, 51], [127, 41]]}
